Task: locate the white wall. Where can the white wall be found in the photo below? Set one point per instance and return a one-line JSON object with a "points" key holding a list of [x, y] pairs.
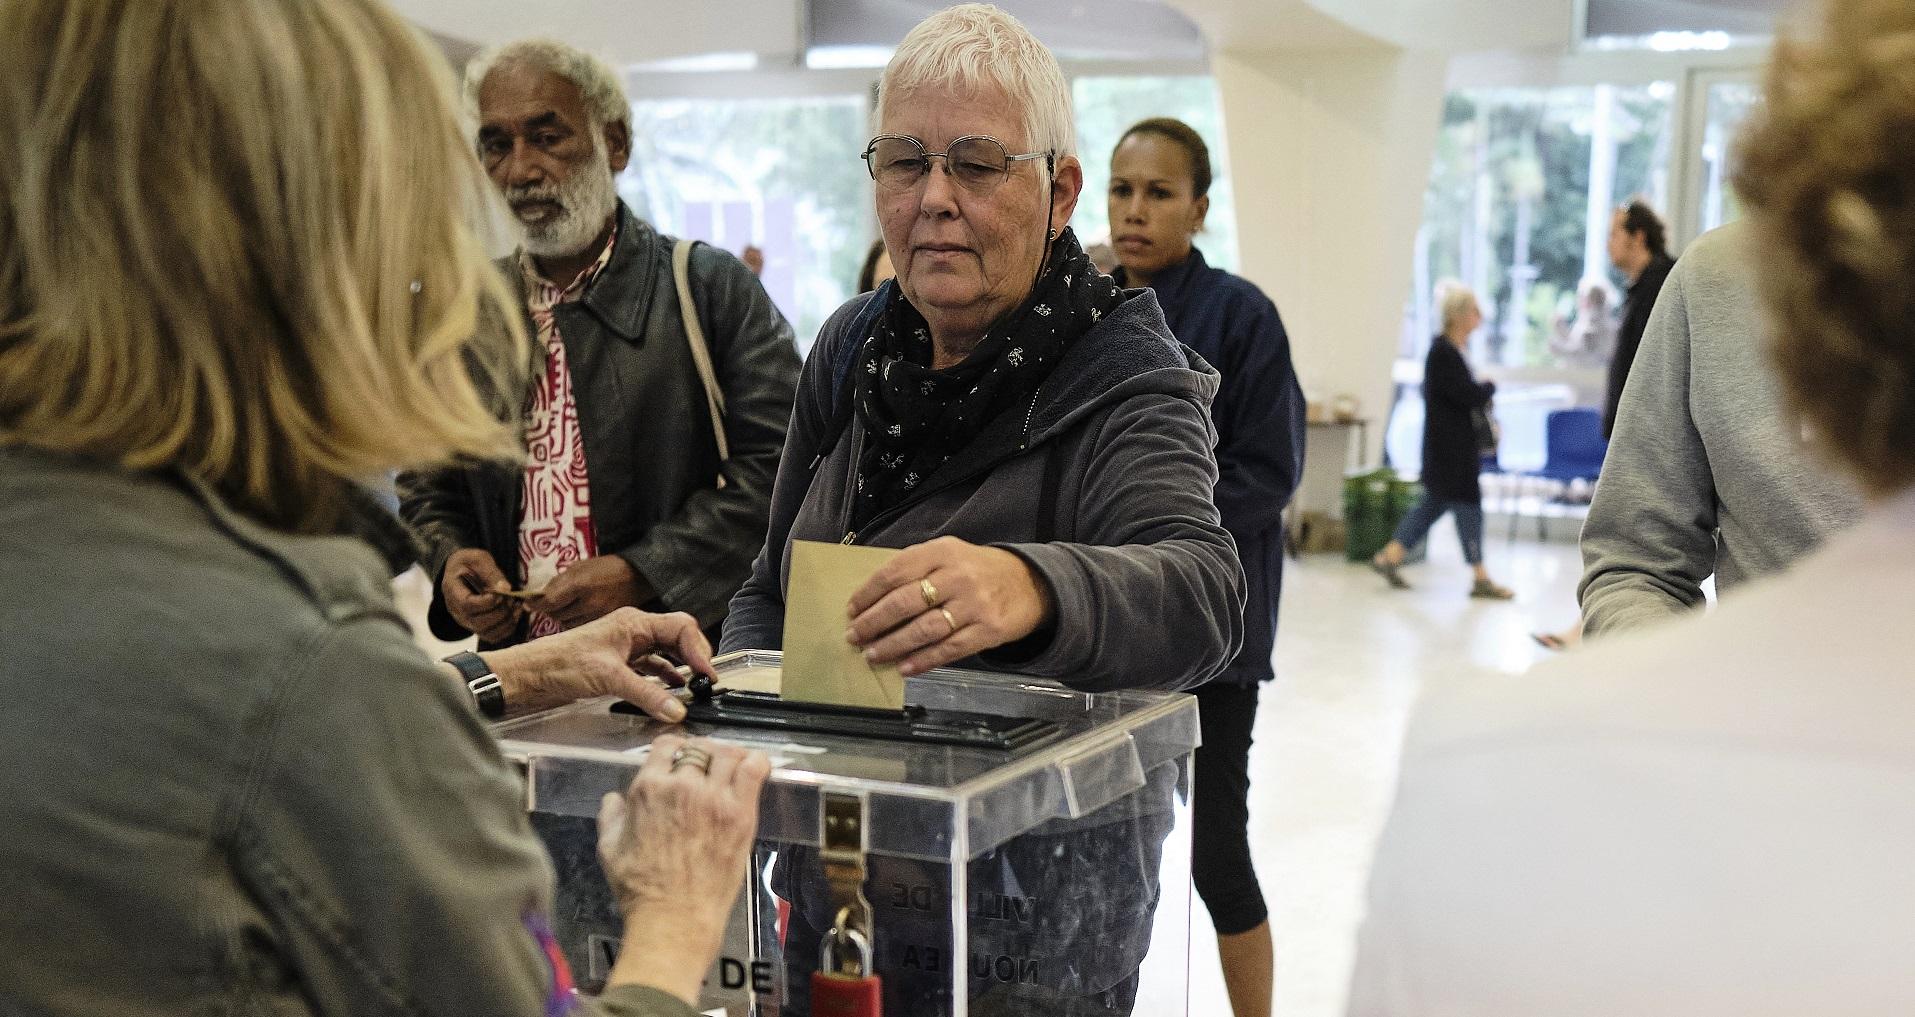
{"points": [[620, 31], [1330, 153]]}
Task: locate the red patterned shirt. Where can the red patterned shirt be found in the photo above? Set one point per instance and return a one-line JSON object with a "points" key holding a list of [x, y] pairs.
{"points": [[555, 502]]}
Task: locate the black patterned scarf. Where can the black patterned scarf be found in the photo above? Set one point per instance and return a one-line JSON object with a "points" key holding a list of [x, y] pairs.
{"points": [[915, 419]]}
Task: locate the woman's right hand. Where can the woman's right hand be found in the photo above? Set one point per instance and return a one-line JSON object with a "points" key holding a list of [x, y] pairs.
{"points": [[674, 847], [945, 600]]}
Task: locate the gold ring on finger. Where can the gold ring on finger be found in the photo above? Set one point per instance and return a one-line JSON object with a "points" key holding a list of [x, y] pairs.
{"points": [[930, 592], [948, 620]]}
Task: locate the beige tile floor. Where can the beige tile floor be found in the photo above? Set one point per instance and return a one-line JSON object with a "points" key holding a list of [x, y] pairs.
{"points": [[1352, 657]]}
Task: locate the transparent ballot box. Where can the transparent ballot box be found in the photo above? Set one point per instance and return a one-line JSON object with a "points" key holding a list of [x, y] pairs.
{"points": [[1045, 870]]}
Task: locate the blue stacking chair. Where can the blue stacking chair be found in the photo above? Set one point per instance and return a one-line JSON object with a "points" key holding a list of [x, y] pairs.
{"points": [[1574, 449]]}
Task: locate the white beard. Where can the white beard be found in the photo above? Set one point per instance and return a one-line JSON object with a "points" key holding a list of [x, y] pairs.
{"points": [[586, 202]]}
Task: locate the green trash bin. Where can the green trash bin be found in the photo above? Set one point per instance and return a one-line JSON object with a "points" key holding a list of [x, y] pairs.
{"points": [[1373, 504], [1369, 515]]}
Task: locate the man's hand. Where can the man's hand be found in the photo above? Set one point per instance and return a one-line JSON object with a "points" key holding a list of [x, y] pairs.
{"points": [[485, 614], [591, 589], [623, 654]]}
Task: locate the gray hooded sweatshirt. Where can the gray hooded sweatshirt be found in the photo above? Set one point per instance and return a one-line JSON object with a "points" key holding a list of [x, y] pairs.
{"points": [[1146, 582]]}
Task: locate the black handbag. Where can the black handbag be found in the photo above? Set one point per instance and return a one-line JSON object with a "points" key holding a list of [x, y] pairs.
{"points": [[1488, 435]]}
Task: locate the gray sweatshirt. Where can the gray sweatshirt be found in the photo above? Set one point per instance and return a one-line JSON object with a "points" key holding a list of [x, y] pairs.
{"points": [[1708, 473], [1148, 588]]}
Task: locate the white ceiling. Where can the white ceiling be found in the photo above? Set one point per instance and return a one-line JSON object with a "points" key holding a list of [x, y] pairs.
{"points": [[1076, 30], [1646, 17], [778, 32], [622, 31]]}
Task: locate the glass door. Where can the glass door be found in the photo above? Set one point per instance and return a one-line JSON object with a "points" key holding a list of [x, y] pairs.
{"points": [[1719, 101]]}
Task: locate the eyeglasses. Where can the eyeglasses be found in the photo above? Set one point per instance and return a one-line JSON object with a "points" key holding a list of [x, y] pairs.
{"points": [[978, 162]]}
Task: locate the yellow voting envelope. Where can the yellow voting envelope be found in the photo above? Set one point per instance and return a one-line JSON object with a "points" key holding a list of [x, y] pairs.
{"points": [[819, 665]]}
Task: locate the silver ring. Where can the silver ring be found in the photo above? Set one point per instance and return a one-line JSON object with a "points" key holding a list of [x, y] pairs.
{"points": [[692, 756]]}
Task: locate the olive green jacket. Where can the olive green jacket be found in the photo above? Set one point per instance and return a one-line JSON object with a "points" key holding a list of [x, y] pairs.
{"points": [[232, 785]]}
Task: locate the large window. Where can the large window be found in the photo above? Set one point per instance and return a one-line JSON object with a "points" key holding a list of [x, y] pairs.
{"points": [[781, 174], [1519, 202], [784, 175], [1726, 105], [1106, 106]]}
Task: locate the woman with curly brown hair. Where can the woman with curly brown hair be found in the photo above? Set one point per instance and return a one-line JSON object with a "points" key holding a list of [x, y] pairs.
{"points": [[1714, 817]]}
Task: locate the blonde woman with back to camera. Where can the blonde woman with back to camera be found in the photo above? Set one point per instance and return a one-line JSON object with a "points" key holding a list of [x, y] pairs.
{"points": [[1714, 817], [234, 280]]}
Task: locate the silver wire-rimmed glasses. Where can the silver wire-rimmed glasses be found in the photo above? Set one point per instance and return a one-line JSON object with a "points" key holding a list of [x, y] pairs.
{"points": [[979, 162]]}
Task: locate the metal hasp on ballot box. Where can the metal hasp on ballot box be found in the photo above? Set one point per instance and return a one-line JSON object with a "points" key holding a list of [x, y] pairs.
{"points": [[963, 877]]}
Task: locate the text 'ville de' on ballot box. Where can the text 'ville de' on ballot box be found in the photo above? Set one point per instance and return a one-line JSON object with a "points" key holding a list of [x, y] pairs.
{"points": [[1043, 873]]}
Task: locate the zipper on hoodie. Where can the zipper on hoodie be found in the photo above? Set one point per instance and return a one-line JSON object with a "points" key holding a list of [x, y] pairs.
{"points": [[1030, 414]]}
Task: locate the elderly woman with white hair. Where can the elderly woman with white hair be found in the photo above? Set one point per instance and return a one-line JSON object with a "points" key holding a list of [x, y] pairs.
{"points": [[1455, 408], [1039, 445], [1031, 435]]}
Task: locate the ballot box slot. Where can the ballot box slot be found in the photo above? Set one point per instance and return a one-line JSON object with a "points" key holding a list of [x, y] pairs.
{"points": [[737, 708]]}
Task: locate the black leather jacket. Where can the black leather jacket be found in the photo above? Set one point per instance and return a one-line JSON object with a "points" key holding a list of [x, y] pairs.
{"points": [[649, 450]]}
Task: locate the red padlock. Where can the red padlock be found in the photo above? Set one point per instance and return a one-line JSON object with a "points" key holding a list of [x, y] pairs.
{"points": [[845, 987], [841, 996]]}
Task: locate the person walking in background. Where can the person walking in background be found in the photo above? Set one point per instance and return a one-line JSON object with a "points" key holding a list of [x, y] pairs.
{"points": [[1455, 419], [1639, 248], [1159, 194], [651, 454]]}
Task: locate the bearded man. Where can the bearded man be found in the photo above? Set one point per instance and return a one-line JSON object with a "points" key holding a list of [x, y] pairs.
{"points": [[625, 497]]}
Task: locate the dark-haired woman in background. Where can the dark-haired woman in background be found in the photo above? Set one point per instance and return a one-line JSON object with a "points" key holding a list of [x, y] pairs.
{"points": [[1159, 184], [877, 268]]}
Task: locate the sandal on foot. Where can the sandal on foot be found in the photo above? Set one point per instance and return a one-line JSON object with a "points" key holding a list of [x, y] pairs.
{"points": [[1486, 590], [1389, 574]]}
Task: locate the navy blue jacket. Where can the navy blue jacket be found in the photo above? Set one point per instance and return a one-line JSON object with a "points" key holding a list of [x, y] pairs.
{"points": [[1259, 418]]}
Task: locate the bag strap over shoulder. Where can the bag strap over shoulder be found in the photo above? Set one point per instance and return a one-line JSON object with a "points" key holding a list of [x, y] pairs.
{"points": [[701, 354]]}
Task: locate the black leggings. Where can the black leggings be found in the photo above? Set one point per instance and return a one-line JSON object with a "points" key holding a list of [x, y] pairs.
{"points": [[1220, 838]]}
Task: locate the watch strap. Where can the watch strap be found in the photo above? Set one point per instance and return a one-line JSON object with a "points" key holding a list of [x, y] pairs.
{"points": [[488, 693]]}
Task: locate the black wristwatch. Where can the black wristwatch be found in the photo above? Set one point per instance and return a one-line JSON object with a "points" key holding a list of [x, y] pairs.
{"points": [[487, 692]]}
